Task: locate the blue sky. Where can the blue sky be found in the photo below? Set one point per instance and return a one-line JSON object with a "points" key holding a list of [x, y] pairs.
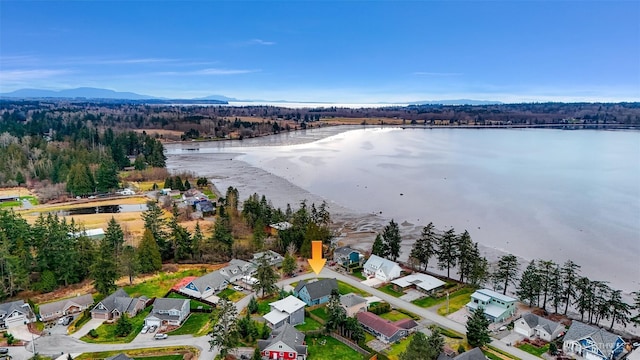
{"points": [[354, 51]]}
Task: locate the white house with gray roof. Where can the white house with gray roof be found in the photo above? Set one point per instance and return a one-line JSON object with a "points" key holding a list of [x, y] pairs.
{"points": [[216, 281], [289, 310], [592, 343], [15, 313], [382, 269], [534, 326], [497, 307], [57, 309], [420, 281], [168, 311]]}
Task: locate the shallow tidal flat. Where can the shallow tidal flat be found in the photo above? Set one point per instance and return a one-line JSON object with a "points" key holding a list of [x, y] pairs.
{"points": [[547, 194]]}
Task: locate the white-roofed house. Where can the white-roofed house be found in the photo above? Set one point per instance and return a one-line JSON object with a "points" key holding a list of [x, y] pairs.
{"points": [[497, 307], [289, 310], [532, 326], [382, 269], [426, 283]]}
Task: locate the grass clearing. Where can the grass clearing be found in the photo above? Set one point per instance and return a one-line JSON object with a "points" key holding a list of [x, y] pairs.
{"points": [[193, 304], [328, 348], [231, 295], [501, 353], [359, 275], [309, 325], [320, 312], [263, 304], [431, 301], [107, 332], [159, 286], [78, 323], [344, 288], [450, 333], [457, 301], [207, 191], [533, 350], [394, 315], [389, 290], [393, 353], [145, 353], [197, 324]]}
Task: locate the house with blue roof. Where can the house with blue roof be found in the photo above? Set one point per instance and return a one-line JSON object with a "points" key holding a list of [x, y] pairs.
{"points": [[497, 307], [592, 343]]}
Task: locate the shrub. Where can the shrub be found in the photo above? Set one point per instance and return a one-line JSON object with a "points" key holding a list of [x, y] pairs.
{"points": [[380, 308], [93, 333], [461, 349]]}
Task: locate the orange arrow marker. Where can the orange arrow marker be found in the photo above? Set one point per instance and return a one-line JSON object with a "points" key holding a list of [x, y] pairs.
{"points": [[316, 261]]}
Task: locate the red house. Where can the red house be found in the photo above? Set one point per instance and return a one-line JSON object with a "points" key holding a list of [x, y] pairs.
{"points": [[285, 343]]}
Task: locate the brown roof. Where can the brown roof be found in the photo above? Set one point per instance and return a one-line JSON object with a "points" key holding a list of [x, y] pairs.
{"points": [[383, 326]]}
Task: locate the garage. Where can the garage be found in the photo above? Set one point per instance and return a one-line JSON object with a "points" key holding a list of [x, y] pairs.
{"points": [[152, 321]]}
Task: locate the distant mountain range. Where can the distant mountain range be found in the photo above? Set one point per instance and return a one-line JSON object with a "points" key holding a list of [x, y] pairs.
{"points": [[97, 93]]}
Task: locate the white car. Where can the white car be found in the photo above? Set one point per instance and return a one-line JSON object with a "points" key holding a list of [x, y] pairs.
{"points": [[502, 328], [144, 329], [238, 288], [160, 336]]}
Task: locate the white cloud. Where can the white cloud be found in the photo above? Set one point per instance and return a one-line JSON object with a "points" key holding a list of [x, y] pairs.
{"points": [[260, 42], [208, 71], [31, 74]]}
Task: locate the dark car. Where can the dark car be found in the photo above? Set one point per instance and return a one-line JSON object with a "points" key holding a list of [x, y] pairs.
{"points": [[4, 351]]}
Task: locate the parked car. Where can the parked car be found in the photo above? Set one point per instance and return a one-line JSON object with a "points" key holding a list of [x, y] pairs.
{"points": [[153, 328], [65, 320], [144, 329], [238, 288], [4, 351], [160, 336], [636, 345], [502, 328]]}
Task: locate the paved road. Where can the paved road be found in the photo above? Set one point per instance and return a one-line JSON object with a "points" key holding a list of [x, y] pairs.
{"points": [[58, 344]]}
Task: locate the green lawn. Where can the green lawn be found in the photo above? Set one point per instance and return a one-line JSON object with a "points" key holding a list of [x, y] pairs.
{"points": [[502, 352], [160, 285], [231, 294], [320, 312], [309, 324], [394, 315], [263, 304], [388, 289], [450, 333], [31, 199], [491, 355], [197, 324], [328, 348], [359, 275], [207, 191], [457, 301], [78, 323], [398, 348], [368, 337], [194, 304], [534, 350], [344, 288], [161, 357], [107, 332], [430, 301]]}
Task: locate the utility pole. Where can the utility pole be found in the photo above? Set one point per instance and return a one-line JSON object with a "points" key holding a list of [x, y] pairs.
{"points": [[447, 303]]}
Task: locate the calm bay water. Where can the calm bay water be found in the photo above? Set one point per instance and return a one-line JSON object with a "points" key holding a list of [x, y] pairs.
{"points": [[548, 194]]}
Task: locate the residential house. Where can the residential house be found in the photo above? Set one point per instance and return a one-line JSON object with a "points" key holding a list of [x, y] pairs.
{"points": [[316, 292], [592, 343], [423, 282], [285, 343], [473, 354], [120, 356], [167, 311], [289, 310], [346, 256], [534, 326], [204, 206], [206, 285], [497, 307], [236, 269], [272, 257], [116, 304], [353, 304], [58, 309], [382, 269], [274, 228], [15, 313], [385, 330]]}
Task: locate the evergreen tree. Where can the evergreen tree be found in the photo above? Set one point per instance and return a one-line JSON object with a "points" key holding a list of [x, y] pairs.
{"points": [[258, 235], [467, 255], [266, 277], [425, 247], [545, 269], [180, 236], [129, 262], [222, 236], [80, 181], [225, 332], [479, 269], [336, 314], [155, 223], [187, 184], [288, 264], [584, 296], [529, 287], [20, 178], [435, 343], [253, 305], [107, 176], [140, 162], [507, 271], [448, 251], [114, 237], [197, 242], [256, 355], [478, 328], [105, 268], [378, 247], [123, 326], [620, 311], [555, 288], [392, 240], [570, 272], [636, 305], [149, 258]]}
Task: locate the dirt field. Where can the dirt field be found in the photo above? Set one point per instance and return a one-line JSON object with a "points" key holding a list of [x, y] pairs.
{"points": [[22, 191]]}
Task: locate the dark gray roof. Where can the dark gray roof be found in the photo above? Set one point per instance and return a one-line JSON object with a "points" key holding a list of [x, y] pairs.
{"points": [[9, 307], [473, 354], [534, 321], [53, 307], [345, 250], [120, 301], [212, 280], [120, 356], [166, 304], [602, 338], [351, 299], [320, 288], [288, 335]]}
